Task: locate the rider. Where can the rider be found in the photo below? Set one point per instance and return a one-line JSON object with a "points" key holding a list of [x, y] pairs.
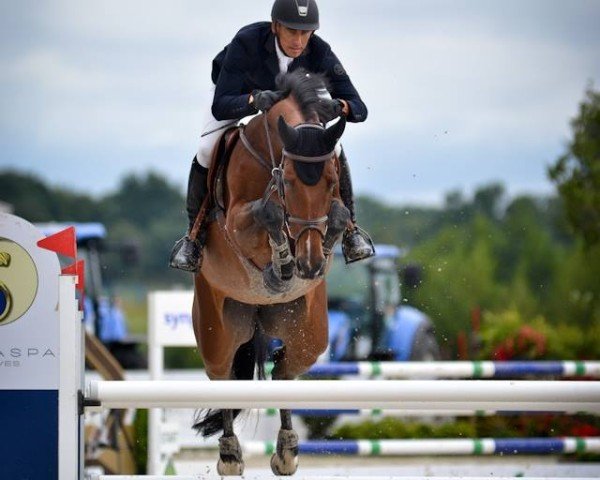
{"points": [[244, 77]]}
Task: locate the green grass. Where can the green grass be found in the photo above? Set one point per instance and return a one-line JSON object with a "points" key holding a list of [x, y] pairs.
{"points": [[136, 313], [135, 307]]}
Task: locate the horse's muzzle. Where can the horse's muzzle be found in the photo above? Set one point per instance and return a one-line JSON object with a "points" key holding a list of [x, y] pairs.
{"points": [[309, 270]]}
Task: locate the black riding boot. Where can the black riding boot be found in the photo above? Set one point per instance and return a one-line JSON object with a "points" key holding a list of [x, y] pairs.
{"points": [[187, 253], [356, 243]]}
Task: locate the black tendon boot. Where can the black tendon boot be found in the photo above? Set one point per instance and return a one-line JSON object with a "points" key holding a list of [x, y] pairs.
{"points": [[187, 253], [356, 243]]}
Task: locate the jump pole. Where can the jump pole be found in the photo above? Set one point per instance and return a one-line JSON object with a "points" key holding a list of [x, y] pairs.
{"points": [[379, 413], [320, 477], [435, 447], [456, 369], [430, 395]]}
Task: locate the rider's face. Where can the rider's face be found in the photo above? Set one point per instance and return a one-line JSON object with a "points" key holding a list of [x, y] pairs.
{"points": [[292, 42]]}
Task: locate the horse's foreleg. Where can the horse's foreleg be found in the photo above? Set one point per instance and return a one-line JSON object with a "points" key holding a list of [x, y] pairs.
{"points": [[230, 452], [271, 217], [339, 218], [221, 326], [285, 459]]}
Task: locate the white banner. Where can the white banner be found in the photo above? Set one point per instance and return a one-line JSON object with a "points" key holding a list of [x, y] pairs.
{"points": [[170, 318], [29, 318]]}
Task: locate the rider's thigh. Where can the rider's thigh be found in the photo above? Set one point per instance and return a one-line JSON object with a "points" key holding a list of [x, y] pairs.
{"points": [[211, 131]]}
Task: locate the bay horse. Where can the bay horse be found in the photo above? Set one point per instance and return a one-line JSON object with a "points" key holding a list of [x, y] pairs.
{"points": [[267, 251]]}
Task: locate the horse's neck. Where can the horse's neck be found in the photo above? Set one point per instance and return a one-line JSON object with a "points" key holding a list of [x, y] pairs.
{"points": [[257, 134]]}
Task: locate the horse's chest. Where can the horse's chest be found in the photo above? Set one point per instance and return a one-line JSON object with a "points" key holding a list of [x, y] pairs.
{"points": [[249, 287]]}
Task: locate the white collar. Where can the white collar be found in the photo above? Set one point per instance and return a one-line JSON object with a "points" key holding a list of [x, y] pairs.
{"points": [[284, 60]]}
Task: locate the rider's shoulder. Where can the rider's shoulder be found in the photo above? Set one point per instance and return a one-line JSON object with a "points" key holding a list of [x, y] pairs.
{"points": [[319, 47], [253, 30], [317, 43]]}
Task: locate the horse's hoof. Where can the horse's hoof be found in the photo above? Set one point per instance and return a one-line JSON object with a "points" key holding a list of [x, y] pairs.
{"points": [[286, 465], [230, 468], [230, 453], [285, 460]]}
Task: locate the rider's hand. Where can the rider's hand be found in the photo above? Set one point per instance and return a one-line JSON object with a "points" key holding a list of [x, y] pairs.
{"points": [[333, 108], [265, 99]]}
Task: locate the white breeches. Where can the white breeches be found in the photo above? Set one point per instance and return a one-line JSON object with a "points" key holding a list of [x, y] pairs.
{"points": [[208, 140]]}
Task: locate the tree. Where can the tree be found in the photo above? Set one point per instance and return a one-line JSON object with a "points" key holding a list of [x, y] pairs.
{"points": [[149, 211], [577, 172], [528, 249], [487, 200], [144, 199], [35, 201], [459, 274]]}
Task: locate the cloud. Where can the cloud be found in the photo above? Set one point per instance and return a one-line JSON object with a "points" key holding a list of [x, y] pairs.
{"points": [[458, 92]]}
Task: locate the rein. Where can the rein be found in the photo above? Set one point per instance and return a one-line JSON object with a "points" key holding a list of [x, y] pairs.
{"points": [[276, 182]]}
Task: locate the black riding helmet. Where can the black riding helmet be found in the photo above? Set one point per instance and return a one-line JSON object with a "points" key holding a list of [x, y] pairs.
{"points": [[296, 14]]}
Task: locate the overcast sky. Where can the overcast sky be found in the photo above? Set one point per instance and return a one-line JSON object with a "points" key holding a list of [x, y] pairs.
{"points": [[460, 93]]}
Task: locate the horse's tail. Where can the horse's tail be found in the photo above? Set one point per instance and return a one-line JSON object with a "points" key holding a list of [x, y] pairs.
{"points": [[250, 356]]}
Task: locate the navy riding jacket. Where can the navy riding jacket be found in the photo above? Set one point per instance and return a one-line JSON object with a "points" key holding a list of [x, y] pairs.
{"points": [[250, 62]]}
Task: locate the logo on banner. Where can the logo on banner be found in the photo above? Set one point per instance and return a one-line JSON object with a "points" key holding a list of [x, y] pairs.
{"points": [[18, 281]]}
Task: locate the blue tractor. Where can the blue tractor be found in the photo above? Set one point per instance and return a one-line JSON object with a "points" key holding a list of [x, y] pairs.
{"points": [[102, 314], [368, 319]]}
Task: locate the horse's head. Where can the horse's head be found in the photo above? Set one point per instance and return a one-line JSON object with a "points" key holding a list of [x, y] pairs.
{"points": [[310, 184]]}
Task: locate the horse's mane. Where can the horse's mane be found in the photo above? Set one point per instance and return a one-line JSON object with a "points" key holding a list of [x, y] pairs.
{"points": [[307, 88]]}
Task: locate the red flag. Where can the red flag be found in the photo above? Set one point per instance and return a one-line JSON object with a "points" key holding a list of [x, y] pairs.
{"points": [[77, 268], [62, 242], [70, 270]]}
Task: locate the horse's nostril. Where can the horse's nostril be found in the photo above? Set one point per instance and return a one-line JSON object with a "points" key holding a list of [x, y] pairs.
{"points": [[321, 271], [309, 271], [302, 268]]}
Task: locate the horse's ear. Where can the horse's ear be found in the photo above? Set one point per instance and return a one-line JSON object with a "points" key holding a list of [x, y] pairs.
{"points": [[289, 135], [334, 133]]}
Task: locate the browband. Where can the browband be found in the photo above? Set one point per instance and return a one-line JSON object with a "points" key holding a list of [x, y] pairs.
{"points": [[310, 125], [303, 158]]}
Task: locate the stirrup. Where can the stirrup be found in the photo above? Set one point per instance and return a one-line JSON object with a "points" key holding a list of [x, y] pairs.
{"points": [[186, 255], [362, 247]]}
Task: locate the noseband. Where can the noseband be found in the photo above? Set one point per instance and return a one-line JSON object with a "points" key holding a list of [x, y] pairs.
{"points": [[276, 183]]}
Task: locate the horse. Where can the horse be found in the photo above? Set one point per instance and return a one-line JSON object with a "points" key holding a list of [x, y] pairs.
{"points": [[267, 250]]}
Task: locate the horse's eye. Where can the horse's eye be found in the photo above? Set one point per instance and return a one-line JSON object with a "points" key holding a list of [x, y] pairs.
{"points": [[287, 182]]}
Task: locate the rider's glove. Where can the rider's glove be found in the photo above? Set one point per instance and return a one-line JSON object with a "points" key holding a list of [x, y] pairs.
{"points": [[265, 99], [333, 108]]}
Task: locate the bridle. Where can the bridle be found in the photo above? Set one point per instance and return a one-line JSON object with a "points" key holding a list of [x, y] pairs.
{"points": [[276, 183]]}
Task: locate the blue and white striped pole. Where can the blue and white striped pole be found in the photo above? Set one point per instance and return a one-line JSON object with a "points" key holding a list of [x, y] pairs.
{"points": [[388, 412], [456, 369], [483, 446]]}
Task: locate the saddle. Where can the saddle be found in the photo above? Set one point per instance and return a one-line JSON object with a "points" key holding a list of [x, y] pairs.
{"points": [[216, 200]]}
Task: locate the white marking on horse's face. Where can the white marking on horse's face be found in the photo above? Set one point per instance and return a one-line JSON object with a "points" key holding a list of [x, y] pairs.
{"points": [[308, 248]]}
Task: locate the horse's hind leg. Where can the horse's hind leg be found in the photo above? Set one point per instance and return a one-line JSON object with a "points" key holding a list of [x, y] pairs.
{"points": [[230, 452], [285, 459]]}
